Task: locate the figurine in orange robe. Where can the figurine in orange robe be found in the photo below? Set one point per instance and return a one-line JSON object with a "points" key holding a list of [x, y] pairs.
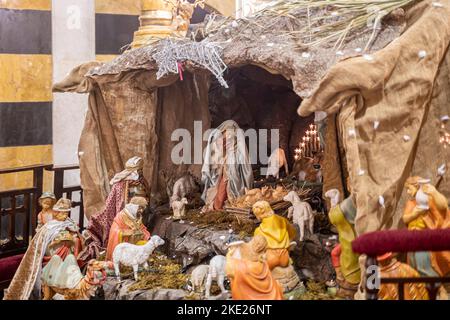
{"points": [[390, 267], [279, 233], [433, 213], [128, 227], [249, 273]]}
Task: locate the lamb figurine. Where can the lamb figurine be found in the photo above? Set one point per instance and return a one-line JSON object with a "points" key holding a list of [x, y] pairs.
{"points": [[132, 255], [217, 273], [301, 213], [179, 209], [198, 277]]}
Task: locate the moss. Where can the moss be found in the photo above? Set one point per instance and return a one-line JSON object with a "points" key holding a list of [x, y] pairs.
{"points": [[314, 291], [221, 220], [163, 273]]}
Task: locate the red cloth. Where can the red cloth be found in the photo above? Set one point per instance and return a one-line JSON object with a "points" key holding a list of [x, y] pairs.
{"points": [[380, 242], [221, 195], [8, 267], [336, 256]]}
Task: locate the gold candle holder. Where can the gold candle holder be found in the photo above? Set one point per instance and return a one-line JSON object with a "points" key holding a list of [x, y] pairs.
{"points": [[156, 22]]}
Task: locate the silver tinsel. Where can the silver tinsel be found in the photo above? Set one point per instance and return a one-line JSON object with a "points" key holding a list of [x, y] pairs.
{"points": [[205, 54]]}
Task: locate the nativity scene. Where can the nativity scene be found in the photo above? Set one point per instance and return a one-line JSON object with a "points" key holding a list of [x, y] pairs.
{"points": [[308, 159]]}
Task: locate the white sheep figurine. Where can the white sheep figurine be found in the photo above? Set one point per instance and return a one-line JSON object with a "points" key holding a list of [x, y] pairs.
{"points": [[132, 255], [179, 208], [198, 277], [217, 273], [301, 213]]}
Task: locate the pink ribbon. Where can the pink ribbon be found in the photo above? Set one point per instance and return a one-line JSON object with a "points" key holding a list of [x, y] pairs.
{"points": [[180, 70]]}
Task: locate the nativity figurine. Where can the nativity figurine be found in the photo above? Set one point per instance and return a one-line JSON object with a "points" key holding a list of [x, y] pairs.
{"points": [[132, 255], [249, 272], [68, 241], [58, 237], [427, 208], [280, 235], [345, 261], [125, 185], [216, 272], [179, 209], [227, 170], [390, 267], [198, 278], [66, 279], [277, 160], [278, 231], [47, 200], [301, 214], [128, 227]]}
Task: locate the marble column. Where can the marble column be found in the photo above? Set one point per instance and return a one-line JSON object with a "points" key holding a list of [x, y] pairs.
{"points": [[73, 43]]}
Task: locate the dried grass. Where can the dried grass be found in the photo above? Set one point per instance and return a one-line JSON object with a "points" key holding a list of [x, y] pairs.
{"points": [[221, 220], [316, 23], [164, 273]]}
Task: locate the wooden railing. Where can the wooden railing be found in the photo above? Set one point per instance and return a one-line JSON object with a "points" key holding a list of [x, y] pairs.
{"points": [[21, 207]]}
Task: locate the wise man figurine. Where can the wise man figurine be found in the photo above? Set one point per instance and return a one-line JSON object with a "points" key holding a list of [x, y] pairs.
{"points": [[58, 237], [128, 227], [125, 185]]}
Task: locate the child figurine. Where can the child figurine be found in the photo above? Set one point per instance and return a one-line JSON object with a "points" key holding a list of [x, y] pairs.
{"points": [[47, 200], [249, 273]]}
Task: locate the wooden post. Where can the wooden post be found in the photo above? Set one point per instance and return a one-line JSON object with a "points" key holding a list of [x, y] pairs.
{"points": [[58, 185], [28, 213], [38, 182], [81, 216], [12, 220]]}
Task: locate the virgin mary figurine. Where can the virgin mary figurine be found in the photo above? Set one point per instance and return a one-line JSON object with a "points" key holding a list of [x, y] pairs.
{"points": [[227, 170]]}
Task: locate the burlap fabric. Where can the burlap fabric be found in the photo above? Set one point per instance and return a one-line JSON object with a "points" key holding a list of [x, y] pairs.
{"points": [[131, 113], [406, 91]]}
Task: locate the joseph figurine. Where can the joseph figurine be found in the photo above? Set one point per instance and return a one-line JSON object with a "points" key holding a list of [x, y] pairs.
{"points": [[125, 185]]}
